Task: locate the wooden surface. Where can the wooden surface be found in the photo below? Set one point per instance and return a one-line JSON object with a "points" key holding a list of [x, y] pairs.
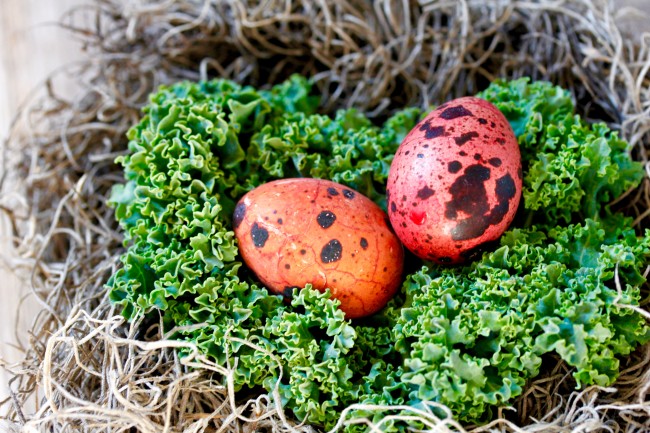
{"points": [[31, 47]]}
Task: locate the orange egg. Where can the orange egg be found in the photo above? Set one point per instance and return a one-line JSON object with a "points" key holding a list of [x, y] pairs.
{"points": [[293, 232]]}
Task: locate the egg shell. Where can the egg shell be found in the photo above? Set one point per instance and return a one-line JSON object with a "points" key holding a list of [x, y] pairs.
{"points": [[455, 181], [292, 232]]}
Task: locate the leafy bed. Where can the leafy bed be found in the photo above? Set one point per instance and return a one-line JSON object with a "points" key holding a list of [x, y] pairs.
{"points": [[564, 279], [86, 367]]}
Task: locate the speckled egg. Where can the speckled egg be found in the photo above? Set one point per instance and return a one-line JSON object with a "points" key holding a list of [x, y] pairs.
{"points": [[297, 231], [455, 182]]}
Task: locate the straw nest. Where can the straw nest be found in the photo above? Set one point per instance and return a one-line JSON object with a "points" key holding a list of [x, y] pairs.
{"points": [[86, 368]]}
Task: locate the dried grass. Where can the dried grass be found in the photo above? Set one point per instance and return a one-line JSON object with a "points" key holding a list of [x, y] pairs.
{"points": [[87, 370]]}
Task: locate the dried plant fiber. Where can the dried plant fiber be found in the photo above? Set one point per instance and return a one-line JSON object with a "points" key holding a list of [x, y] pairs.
{"points": [[87, 370]]}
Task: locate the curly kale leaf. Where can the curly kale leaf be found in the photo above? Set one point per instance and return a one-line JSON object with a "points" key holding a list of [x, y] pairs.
{"points": [[313, 339], [347, 149], [472, 337]]}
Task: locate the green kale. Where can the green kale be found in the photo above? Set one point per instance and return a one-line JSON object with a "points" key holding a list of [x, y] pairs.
{"points": [[471, 337], [561, 280]]}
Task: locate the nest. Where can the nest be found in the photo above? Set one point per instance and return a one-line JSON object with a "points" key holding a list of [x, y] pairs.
{"points": [[87, 369]]}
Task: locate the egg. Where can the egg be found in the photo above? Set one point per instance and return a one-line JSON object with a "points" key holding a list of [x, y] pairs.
{"points": [[455, 181], [293, 232]]}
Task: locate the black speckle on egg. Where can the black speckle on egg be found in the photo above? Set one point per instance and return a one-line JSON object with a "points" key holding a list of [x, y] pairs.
{"points": [[455, 112], [326, 218], [287, 266], [469, 228], [464, 138], [331, 252], [481, 217], [393, 206], [454, 166], [505, 188], [482, 121], [239, 214], [425, 192], [420, 155], [259, 235], [280, 221], [349, 194], [468, 193], [432, 131], [495, 162], [364, 243], [332, 191], [303, 252]]}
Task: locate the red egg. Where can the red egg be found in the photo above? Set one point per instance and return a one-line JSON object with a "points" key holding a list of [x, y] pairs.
{"points": [[292, 232], [455, 181]]}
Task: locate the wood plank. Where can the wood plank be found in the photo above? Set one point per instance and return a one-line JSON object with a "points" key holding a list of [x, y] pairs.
{"points": [[31, 46]]}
